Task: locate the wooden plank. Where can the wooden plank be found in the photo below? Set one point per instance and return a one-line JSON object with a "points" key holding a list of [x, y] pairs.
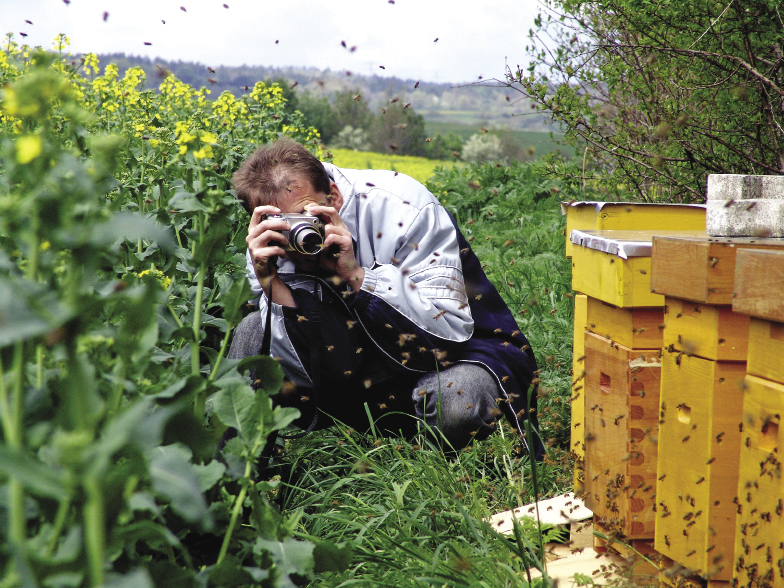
{"points": [[622, 397], [629, 216], [758, 538], [766, 350], [578, 385], [699, 444], [636, 328], [712, 332], [620, 282], [759, 277], [701, 269]]}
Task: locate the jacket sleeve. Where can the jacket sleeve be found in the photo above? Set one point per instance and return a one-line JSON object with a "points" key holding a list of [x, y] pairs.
{"points": [[415, 307]]}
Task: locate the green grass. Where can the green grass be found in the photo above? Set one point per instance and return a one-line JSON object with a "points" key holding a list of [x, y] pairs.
{"points": [[419, 168]]}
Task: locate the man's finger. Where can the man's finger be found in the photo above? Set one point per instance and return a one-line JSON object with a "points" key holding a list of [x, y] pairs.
{"points": [[261, 211]]}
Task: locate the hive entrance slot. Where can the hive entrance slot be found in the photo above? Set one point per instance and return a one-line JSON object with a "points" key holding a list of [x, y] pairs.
{"points": [[684, 413], [605, 383], [769, 437], [777, 331]]}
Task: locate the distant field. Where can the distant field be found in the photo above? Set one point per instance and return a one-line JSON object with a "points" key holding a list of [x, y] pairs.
{"points": [[540, 141], [418, 168]]}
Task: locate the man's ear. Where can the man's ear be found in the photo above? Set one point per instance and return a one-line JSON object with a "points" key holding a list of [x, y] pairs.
{"points": [[335, 197]]}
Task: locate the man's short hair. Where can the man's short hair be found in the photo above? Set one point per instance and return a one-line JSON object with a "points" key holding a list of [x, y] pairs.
{"points": [[271, 168]]}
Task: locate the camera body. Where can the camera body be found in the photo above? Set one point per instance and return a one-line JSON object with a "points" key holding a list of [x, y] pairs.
{"points": [[306, 235]]}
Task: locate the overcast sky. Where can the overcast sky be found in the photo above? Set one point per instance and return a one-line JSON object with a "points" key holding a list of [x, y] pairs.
{"points": [[474, 37]]}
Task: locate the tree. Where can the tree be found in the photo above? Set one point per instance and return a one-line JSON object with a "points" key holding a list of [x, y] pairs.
{"points": [[318, 113], [349, 109], [398, 130], [656, 95]]}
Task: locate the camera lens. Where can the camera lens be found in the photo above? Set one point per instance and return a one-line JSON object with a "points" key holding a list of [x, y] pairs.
{"points": [[306, 239]]}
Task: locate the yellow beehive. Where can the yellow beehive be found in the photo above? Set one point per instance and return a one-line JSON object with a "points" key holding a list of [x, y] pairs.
{"points": [[759, 547], [578, 385], [759, 275], [621, 414], [700, 268], [608, 216], [636, 328], [697, 474], [712, 332], [766, 350], [615, 266]]}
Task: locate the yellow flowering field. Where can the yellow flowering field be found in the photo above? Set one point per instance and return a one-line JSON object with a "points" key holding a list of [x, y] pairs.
{"points": [[418, 168]]}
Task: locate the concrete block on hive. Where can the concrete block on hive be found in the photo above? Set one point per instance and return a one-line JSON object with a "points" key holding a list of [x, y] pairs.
{"points": [[708, 331], [741, 205], [759, 276], [636, 327], [621, 415], [627, 216], [577, 443], [766, 350], [759, 537], [701, 269], [697, 474]]}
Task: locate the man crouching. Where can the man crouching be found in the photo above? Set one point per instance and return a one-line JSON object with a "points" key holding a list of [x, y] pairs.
{"points": [[391, 310]]}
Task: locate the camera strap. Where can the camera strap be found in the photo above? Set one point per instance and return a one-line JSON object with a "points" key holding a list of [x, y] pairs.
{"points": [[313, 316]]}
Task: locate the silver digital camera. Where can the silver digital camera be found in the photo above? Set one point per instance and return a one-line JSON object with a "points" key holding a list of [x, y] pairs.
{"points": [[306, 234]]}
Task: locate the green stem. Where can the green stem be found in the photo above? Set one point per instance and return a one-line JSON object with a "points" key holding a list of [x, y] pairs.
{"points": [[117, 392], [59, 523], [235, 513], [39, 369], [220, 355], [197, 321], [94, 531], [18, 522]]}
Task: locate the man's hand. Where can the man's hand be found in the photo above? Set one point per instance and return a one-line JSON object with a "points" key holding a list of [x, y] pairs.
{"points": [[338, 255], [264, 244]]}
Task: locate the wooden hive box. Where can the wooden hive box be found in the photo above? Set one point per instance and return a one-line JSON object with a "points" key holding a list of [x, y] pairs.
{"points": [[759, 539], [697, 473], [621, 415], [705, 330], [609, 216], [634, 327], [700, 268], [615, 266], [766, 350], [577, 442], [759, 551]]}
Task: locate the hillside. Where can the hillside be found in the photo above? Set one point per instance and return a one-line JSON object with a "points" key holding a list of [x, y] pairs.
{"points": [[468, 105]]}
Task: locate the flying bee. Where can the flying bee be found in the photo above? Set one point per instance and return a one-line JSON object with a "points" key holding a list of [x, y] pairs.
{"points": [[439, 314], [415, 85], [381, 67], [358, 97], [406, 105], [211, 70], [350, 324]]}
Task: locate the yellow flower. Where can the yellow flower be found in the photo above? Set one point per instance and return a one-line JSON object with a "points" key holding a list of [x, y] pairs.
{"points": [[208, 137], [160, 277], [28, 148], [154, 143], [205, 151]]}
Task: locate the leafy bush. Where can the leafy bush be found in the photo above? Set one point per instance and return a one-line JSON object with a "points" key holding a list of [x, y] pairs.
{"points": [[481, 148], [121, 278], [351, 138]]}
